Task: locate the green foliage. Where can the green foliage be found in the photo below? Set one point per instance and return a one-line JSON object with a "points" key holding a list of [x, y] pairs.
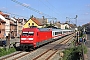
{"points": [[4, 52], [51, 24], [74, 53], [66, 27], [70, 54], [84, 48], [80, 28], [80, 33], [47, 25]]}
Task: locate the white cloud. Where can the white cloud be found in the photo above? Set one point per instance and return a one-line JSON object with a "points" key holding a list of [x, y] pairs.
{"points": [[86, 13], [3, 8], [88, 5], [25, 4]]}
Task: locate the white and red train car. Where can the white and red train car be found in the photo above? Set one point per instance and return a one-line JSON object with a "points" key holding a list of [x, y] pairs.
{"points": [[34, 37]]}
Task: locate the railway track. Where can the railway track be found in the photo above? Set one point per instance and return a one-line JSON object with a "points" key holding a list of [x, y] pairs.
{"points": [[13, 56], [48, 53]]}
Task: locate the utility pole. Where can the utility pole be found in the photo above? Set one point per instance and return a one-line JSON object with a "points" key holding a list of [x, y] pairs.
{"points": [[76, 20], [77, 29], [8, 41], [68, 19], [76, 32], [51, 21]]}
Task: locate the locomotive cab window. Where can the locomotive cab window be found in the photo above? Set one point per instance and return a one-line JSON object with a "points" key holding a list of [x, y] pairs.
{"points": [[31, 33], [24, 34], [27, 33]]}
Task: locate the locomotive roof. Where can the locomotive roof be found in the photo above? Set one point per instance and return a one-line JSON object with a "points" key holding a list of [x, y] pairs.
{"points": [[40, 29], [44, 29], [29, 29]]}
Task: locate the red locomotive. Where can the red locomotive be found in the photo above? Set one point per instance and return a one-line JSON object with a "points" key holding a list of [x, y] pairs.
{"points": [[34, 37]]}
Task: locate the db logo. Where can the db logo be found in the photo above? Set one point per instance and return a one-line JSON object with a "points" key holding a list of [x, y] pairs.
{"points": [[27, 38]]}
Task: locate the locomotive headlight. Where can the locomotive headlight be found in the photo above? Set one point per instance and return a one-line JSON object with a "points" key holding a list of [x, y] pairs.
{"points": [[26, 38], [23, 38], [30, 38]]}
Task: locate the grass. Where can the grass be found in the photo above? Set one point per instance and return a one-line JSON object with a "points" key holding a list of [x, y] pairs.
{"points": [[4, 51]]}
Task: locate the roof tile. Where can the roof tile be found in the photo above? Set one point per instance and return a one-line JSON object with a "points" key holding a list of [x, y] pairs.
{"points": [[36, 21]]}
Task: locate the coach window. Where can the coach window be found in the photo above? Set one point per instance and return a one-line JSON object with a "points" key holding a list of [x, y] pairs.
{"points": [[56, 33], [60, 32]]}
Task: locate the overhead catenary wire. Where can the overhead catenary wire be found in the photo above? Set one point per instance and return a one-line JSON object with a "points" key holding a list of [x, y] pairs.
{"points": [[53, 7], [41, 13], [14, 14], [47, 7]]}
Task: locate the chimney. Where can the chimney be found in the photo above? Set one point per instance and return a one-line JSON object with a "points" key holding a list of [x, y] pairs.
{"points": [[43, 20], [43, 17], [53, 21], [32, 16]]}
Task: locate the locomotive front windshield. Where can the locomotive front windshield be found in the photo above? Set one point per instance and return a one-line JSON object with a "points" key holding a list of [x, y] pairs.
{"points": [[28, 33]]}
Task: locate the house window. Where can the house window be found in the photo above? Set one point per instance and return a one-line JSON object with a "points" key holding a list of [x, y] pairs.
{"points": [[0, 31], [29, 24], [32, 24]]}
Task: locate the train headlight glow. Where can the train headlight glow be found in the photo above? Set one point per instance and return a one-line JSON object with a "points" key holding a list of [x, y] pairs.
{"points": [[30, 38], [26, 38], [23, 38]]}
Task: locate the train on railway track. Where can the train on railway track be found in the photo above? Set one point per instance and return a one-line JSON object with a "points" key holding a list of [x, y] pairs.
{"points": [[34, 37]]}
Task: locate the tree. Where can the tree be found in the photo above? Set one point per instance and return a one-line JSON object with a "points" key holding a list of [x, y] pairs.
{"points": [[66, 27]]}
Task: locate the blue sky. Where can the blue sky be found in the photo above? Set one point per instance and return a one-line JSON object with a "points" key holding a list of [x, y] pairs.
{"points": [[59, 9]]}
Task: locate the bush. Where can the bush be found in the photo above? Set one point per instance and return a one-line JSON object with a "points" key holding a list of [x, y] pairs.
{"points": [[74, 53], [70, 54]]}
